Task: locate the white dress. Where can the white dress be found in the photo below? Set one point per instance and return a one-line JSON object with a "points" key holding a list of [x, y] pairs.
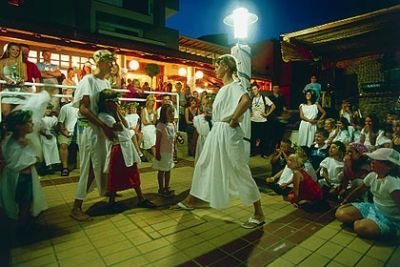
{"points": [[17, 159], [50, 147], [306, 129], [91, 140], [220, 172], [203, 128], [124, 139], [149, 132], [132, 120]]}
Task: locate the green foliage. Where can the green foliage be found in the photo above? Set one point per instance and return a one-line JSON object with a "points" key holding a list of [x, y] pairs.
{"points": [[152, 69]]}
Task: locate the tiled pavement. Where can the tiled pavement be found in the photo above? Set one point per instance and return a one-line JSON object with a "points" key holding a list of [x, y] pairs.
{"points": [[131, 236]]}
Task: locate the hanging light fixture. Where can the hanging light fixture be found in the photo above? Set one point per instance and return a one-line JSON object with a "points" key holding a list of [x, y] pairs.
{"points": [[133, 64]]}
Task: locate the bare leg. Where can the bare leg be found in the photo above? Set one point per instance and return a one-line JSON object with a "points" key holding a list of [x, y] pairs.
{"points": [[160, 177], [153, 151], [348, 214], [367, 228], [139, 194], [64, 155], [167, 178], [111, 197], [77, 212], [136, 144], [258, 212]]}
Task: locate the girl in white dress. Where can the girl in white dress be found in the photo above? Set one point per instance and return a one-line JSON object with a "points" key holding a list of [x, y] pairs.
{"points": [[149, 118], [133, 120], [203, 124], [48, 138], [220, 172], [308, 116]]}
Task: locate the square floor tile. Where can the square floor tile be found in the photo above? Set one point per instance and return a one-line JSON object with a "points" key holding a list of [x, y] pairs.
{"points": [[348, 257]]}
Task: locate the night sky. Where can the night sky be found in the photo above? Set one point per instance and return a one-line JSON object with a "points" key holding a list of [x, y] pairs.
{"points": [[202, 17]]}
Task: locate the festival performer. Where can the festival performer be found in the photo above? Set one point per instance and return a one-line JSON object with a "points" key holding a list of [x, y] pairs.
{"points": [[91, 141], [122, 157], [220, 172]]}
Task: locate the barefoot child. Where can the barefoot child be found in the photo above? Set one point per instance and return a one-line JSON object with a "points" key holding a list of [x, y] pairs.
{"points": [[122, 157], [165, 138]]}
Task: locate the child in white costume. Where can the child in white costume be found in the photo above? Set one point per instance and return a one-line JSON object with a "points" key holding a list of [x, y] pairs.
{"points": [[20, 191], [220, 172], [48, 138], [91, 141], [203, 124]]}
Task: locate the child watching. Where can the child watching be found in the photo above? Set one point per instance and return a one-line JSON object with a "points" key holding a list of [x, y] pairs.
{"points": [[278, 159], [331, 168], [382, 217], [49, 140], [164, 158], [319, 150]]}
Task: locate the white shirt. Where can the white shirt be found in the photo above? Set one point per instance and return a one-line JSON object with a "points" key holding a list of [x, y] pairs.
{"points": [[286, 176], [381, 190], [258, 107], [132, 120], [68, 116], [334, 168], [90, 86]]}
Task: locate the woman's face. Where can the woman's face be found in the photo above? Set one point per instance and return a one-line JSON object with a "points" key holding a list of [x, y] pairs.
{"points": [[220, 70], [25, 128], [150, 103], [396, 128], [368, 122], [170, 114], [193, 103], [328, 126], [14, 51], [339, 124], [308, 95]]}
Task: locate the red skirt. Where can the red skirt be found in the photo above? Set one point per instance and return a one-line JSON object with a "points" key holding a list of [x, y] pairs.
{"points": [[308, 190], [121, 177]]}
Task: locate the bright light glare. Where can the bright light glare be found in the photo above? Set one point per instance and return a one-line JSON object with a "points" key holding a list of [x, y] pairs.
{"points": [[133, 64], [199, 74], [240, 24], [182, 72]]}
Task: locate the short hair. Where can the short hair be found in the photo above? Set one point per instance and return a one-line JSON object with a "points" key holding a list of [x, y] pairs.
{"points": [[297, 159], [323, 132]]}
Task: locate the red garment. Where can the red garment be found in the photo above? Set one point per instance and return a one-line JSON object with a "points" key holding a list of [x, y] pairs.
{"points": [[308, 189], [121, 177], [33, 71]]}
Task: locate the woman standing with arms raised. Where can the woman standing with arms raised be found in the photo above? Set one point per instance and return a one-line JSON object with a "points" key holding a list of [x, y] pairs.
{"points": [[220, 172]]}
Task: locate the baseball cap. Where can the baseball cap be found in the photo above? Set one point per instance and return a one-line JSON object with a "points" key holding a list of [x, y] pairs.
{"points": [[388, 154]]}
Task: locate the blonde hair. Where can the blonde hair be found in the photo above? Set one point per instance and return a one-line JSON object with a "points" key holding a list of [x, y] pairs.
{"points": [[230, 62], [297, 159]]}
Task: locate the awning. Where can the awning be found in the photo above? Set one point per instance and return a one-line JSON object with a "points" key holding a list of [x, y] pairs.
{"points": [[369, 33]]}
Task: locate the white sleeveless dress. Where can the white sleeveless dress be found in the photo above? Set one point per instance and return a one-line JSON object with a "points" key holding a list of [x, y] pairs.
{"points": [[306, 129]]}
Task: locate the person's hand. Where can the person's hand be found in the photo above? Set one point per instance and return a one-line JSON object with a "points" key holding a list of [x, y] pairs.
{"points": [[158, 156], [283, 186], [109, 133], [313, 122], [49, 136], [9, 81], [265, 115], [270, 180], [234, 123]]}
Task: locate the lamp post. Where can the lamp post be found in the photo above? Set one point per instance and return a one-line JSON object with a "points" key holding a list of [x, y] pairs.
{"points": [[240, 19]]}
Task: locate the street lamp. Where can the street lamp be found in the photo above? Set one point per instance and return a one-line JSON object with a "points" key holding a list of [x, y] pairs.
{"points": [[240, 19]]}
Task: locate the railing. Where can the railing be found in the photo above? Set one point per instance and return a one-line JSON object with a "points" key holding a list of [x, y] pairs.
{"points": [[74, 87]]}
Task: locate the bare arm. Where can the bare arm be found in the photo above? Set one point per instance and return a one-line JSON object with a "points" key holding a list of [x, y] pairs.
{"points": [[158, 144], [188, 122], [355, 193], [302, 117], [271, 109], [87, 113], [244, 104], [322, 111]]}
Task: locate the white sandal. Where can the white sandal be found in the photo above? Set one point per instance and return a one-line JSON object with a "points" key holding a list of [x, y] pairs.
{"points": [[181, 206], [252, 223]]}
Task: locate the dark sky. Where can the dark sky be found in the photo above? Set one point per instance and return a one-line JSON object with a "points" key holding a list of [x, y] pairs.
{"points": [[201, 17]]}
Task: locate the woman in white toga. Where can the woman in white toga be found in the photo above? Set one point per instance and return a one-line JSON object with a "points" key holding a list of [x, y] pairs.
{"points": [[220, 172]]}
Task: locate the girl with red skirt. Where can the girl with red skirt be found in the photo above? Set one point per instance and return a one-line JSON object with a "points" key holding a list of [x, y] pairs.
{"points": [[122, 157]]}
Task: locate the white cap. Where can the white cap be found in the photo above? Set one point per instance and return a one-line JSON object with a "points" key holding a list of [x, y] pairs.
{"points": [[388, 154]]}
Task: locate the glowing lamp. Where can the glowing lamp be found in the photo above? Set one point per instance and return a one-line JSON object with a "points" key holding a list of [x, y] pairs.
{"points": [[199, 74], [133, 64], [240, 19], [182, 72]]}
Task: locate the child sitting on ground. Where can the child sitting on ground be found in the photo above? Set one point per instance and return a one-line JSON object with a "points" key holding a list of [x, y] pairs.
{"points": [[278, 159], [319, 150], [382, 217], [331, 168]]}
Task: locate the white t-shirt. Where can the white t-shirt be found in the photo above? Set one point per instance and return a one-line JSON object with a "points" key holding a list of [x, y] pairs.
{"points": [[286, 176], [258, 107], [310, 170], [68, 116], [381, 190], [334, 168]]}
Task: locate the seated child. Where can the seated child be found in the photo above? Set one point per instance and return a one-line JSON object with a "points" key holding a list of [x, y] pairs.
{"points": [[331, 168], [319, 150]]}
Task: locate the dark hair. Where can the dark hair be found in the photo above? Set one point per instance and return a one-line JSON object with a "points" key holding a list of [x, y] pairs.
{"points": [[341, 147], [17, 117], [105, 96], [69, 69], [307, 151], [344, 121], [313, 96], [375, 122], [323, 132], [163, 113]]}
